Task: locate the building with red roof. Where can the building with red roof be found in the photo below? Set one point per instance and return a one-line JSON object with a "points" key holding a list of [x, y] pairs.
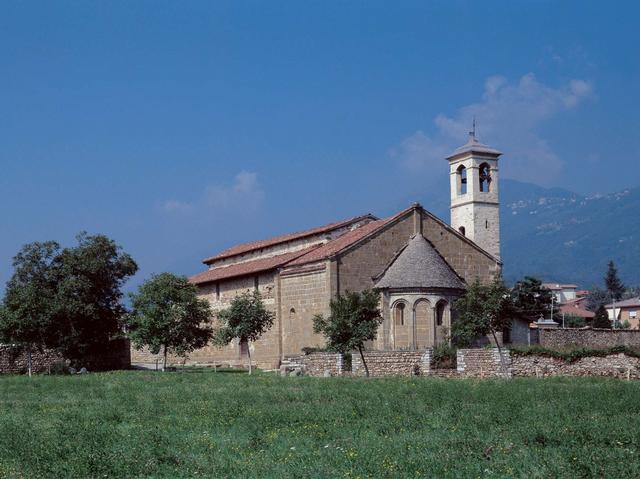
{"points": [[418, 263]]}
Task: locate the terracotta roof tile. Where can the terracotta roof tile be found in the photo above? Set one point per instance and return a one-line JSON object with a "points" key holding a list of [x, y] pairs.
{"points": [[248, 267], [251, 246], [627, 303], [335, 246], [577, 310]]}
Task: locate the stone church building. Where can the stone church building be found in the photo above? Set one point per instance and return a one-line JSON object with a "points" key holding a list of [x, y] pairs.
{"points": [[418, 262]]}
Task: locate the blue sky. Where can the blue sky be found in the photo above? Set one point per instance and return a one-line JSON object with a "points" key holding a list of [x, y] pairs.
{"points": [[180, 128]]}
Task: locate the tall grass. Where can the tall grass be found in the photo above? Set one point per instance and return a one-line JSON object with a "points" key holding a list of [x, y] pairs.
{"points": [[147, 424]]}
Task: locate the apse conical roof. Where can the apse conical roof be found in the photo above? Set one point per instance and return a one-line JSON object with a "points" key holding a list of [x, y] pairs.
{"points": [[419, 265]]}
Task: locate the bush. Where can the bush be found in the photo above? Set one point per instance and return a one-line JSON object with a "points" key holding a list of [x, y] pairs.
{"points": [[444, 356], [572, 355], [574, 321], [59, 368], [310, 350]]}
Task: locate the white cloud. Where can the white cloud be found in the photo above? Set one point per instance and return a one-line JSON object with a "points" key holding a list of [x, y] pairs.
{"points": [[509, 116], [244, 193]]}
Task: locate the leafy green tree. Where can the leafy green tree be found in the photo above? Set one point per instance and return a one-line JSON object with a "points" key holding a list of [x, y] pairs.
{"points": [[167, 315], [601, 319], [246, 319], [531, 299], [354, 319], [69, 299], [27, 316], [483, 310], [573, 321], [88, 307]]}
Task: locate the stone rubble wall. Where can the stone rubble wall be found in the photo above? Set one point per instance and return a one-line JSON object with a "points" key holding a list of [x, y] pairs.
{"points": [[483, 363], [14, 359], [314, 364], [589, 338], [616, 365], [392, 363]]}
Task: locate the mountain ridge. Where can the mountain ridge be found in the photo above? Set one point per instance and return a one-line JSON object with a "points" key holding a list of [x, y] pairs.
{"points": [[562, 236]]}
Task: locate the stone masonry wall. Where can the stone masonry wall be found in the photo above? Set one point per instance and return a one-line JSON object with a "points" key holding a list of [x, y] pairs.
{"points": [[483, 363], [464, 258], [616, 365], [358, 267], [392, 363], [302, 296], [265, 353], [14, 360], [315, 364], [591, 338]]}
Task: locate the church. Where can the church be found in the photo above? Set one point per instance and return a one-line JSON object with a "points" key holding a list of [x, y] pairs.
{"points": [[419, 264]]}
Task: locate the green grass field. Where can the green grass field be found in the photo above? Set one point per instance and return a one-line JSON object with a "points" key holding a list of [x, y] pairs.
{"points": [[194, 424]]}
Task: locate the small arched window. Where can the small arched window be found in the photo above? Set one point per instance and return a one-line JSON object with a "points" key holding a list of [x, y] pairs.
{"points": [[292, 314], [399, 314], [462, 180], [462, 231], [440, 313], [485, 177]]}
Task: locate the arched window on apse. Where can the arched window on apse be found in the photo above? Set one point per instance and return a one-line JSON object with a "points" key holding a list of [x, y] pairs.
{"points": [[399, 314], [440, 309]]}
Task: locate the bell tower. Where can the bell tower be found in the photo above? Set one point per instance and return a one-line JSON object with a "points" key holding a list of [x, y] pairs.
{"points": [[475, 209]]}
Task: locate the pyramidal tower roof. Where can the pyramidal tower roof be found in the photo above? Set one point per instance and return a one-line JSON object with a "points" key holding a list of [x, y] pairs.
{"points": [[419, 265], [474, 146]]}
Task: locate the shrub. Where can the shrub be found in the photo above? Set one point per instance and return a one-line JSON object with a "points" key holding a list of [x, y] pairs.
{"points": [[59, 368], [444, 356], [310, 350], [572, 355], [574, 321]]}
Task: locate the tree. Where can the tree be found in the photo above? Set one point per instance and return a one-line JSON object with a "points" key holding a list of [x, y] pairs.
{"points": [[246, 319], [574, 321], [483, 310], [612, 282], [88, 307], [26, 316], [167, 315], [531, 299], [601, 319], [614, 287], [354, 319], [596, 298], [69, 299]]}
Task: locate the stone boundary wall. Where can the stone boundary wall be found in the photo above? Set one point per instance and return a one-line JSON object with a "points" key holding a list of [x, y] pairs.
{"points": [[315, 364], [590, 338], [616, 366], [481, 363], [392, 363], [14, 359]]}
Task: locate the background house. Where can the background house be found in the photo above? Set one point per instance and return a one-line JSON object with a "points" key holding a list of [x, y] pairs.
{"points": [[626, 310]]}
